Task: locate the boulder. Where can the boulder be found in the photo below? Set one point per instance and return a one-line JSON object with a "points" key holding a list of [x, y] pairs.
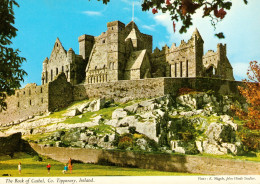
{"points": [[119, 113], [72, 113], [218, 132], [83, 106], [130, 120], [96, 105], [131, 109], [147, 105], [142, 144], [213, 149], [187, 101], [183, 147], [122, 130]]}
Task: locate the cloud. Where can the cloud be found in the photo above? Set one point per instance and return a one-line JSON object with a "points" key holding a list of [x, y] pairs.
{"points": [[149, 27], [240, 70], [92, 13], [136, 3]]}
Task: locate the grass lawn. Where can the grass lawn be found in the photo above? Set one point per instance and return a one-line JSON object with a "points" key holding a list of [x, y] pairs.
{"points": [[31, 168]]}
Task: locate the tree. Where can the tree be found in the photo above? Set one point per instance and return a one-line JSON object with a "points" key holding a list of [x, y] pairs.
{"points": [[182, 10], [251, 117], [10, 62]]}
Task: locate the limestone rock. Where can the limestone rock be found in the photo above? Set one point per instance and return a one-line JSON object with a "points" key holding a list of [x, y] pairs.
{"points": [[96, 105], [131, 109], [183, 147], [213, 149], [187, 101], [119, 113], [83, 106], [72, 113]]}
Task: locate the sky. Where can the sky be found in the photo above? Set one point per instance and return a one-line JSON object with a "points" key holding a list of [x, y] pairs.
{"points": [[40, 22]]}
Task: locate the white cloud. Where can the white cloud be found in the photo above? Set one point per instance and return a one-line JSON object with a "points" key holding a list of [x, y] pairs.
{"points": [[92, 13], [136, 3], [149, 27], [240, 70]]}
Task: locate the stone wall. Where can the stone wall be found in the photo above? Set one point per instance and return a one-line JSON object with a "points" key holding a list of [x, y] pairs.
{"points": [[29, 101], [10, 144], [152, 87], [124, 89], [163, 162], [60, 93], [223, 87], [35, 100]]}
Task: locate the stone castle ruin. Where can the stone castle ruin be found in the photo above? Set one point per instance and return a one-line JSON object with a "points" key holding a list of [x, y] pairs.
{"points": [[120, 64]]}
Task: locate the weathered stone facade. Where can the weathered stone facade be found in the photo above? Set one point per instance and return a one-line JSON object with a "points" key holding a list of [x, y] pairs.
{"points": [[124, 53], [118, 64]]}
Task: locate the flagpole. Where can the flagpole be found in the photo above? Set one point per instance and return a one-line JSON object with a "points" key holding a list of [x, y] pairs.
{"points": [[133, 12]]}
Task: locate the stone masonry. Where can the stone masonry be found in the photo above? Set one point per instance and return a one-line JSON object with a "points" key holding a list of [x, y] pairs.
{"points": [[119, 63]]}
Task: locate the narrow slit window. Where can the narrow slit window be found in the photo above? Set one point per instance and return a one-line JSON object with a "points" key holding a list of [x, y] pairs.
{"points": [[180, 69], [51, 75], [187, 68], [175, 69]]}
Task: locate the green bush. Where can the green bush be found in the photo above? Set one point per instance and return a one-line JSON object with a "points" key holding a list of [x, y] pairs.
{"points": [[37, 158], [125, 141]]}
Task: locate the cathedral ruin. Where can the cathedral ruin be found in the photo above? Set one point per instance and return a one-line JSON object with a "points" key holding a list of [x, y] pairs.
{"points": [[120, 64]]}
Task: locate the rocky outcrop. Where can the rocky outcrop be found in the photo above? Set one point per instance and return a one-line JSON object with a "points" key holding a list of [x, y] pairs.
{"points": [[188, 124]]}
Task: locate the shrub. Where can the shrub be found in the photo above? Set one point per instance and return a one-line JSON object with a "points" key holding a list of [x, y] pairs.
{"points": [[37, 158], [184, 91], [125, 141]]}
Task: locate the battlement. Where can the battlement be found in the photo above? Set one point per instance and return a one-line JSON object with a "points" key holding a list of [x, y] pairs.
{"points": [[118, 63], [86, 37], [116, 23]]}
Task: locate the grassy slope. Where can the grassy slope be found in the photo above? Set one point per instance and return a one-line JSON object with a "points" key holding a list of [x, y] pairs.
{"points": [[35, 168]]}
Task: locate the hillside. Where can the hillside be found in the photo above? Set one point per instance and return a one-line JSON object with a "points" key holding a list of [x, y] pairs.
{"points": [[195, 123]]}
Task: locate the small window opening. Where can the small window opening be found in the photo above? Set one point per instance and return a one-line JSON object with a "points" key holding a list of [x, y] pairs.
{"points": [[57, 71], [42, 100], [41, 90], [30, 102], [57, 44], [24, 92], [187, 68], [180, 69], [51, 75], [18, 104], [62, 68], [175, 69], [29, 92], [104, 41]]}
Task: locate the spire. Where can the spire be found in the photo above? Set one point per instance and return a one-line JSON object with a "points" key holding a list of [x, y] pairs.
{"points": [[196, 32]]}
